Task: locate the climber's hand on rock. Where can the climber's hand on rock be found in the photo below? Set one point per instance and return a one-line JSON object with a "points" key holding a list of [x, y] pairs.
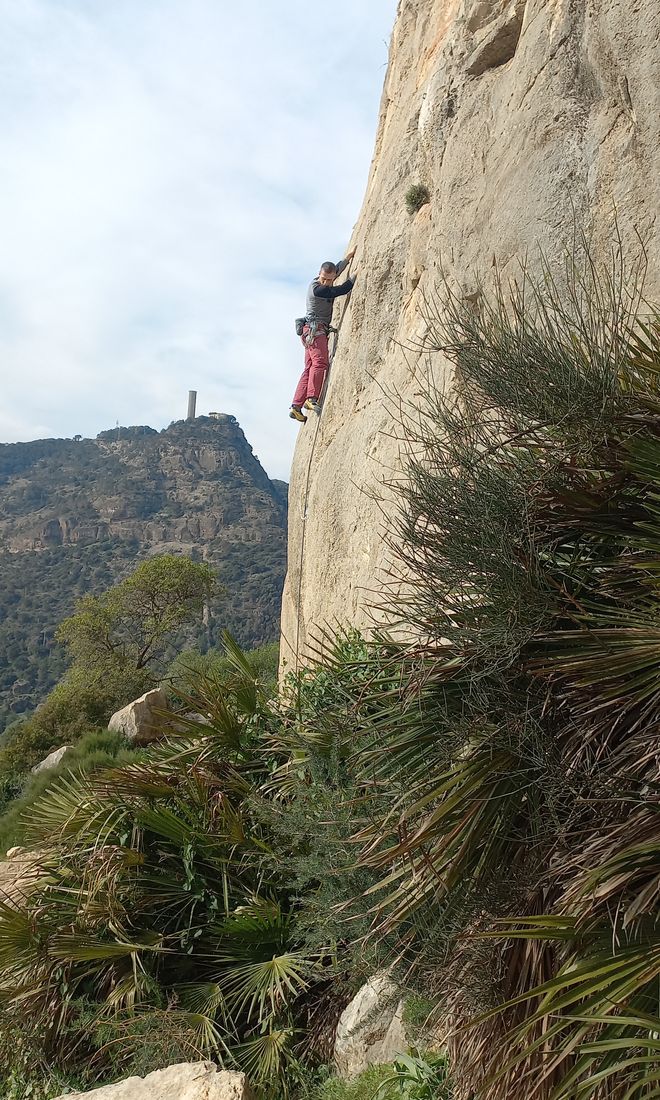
{"points": [[351, 255]]}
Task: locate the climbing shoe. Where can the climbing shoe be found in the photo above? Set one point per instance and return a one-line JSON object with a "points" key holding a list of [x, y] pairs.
{"points": [[296, 414], [311, 403]]}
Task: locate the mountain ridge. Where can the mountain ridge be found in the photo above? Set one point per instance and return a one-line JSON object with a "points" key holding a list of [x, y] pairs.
{"points": [[77, 514]]}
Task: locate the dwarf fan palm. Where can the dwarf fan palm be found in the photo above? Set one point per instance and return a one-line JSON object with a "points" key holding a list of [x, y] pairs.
{"points": [[152, 895], [522, 764]]}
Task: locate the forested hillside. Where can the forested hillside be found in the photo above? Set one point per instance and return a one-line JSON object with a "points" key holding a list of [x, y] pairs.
{"points": [[78, 514]]}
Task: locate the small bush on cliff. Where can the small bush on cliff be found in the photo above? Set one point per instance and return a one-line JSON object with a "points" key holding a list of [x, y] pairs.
{"points": [[417, 196]]}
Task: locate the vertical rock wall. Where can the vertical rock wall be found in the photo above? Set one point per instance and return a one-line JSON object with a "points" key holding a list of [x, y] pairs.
{"points": [[522, 117]]}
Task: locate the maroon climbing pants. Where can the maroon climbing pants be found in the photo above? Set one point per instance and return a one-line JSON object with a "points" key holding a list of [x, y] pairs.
{"points": [[316, 366]]}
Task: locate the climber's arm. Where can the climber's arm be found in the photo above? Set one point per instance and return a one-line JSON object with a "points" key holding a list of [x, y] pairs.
{"points": [[331, 292], [343, 264]]}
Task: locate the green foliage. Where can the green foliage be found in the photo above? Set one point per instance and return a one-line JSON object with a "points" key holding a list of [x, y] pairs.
{"points": [[519, 840], [38, 589], [363, 1087], [24, 1073], [201, 880], [153, 896], [417, 1012], [114, 640], [190, 668], [133, 1043], [417, 196], [126, 627], [318, 789], [416, 1076], [412, 1076], [88, 507], [93, 752], [78, 705]]}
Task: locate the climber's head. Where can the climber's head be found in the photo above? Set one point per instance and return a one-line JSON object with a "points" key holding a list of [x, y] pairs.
{"points": [[328, 273]]}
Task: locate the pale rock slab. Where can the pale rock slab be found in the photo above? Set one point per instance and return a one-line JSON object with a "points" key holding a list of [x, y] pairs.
{"points": [[186, 1081], [17, 853], [370, 1029], [138, 721], [50, 761], [521, 117], [19, 871]]}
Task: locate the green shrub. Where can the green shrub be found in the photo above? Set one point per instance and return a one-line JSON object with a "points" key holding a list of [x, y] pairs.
{"points": [[75, 707], [134, 1043], [96, 750], [363, 1087], [155, 899], [417, 196], [416, 1013], [24, 1070], [316, 747], [519, 760], [409, 1077], [191, 666], [416, 1076]]}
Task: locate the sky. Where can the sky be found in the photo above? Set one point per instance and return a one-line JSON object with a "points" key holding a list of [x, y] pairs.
{"points": [[172, 173]]}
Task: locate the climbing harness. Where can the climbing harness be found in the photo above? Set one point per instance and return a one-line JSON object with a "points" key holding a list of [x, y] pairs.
{"points": [[313, 329], [336, 332]]}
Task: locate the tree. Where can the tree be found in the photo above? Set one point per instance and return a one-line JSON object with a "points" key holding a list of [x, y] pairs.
{"points": [[127, 627]]}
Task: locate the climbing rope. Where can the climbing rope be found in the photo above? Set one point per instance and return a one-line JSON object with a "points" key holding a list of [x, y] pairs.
{"points": [[322, 395]]}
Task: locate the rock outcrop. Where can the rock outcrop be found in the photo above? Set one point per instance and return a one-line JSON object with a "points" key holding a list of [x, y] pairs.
{"points": [[18, 871], [371, 1029], [522, 118], [139, 721], [186, 1081], [51, 761]]}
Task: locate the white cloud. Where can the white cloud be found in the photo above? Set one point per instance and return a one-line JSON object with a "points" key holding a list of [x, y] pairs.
{"points": [[173, 172]]}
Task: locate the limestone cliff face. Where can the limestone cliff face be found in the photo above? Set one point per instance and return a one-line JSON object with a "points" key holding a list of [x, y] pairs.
{"points": [[521, 117]]}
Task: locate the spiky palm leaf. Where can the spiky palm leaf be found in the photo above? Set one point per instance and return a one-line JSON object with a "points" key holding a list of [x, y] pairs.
{"points": [[530, 530], [151, 889]]}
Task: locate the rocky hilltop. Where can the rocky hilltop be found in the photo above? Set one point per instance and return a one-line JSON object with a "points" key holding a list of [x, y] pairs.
{"points": [[522, 118], [75, 515]]}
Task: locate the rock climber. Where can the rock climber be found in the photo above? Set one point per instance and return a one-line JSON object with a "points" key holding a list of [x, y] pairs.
{"points": [[314, 328]]}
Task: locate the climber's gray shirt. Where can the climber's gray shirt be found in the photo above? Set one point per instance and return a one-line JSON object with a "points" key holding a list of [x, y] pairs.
{"points": [[320, 299]]}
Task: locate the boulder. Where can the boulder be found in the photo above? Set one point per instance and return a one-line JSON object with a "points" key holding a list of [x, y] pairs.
{"points": [[17, 853], [186, 1081], [139, 721], [19, 871], [370, 1029], [50, 761]]}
